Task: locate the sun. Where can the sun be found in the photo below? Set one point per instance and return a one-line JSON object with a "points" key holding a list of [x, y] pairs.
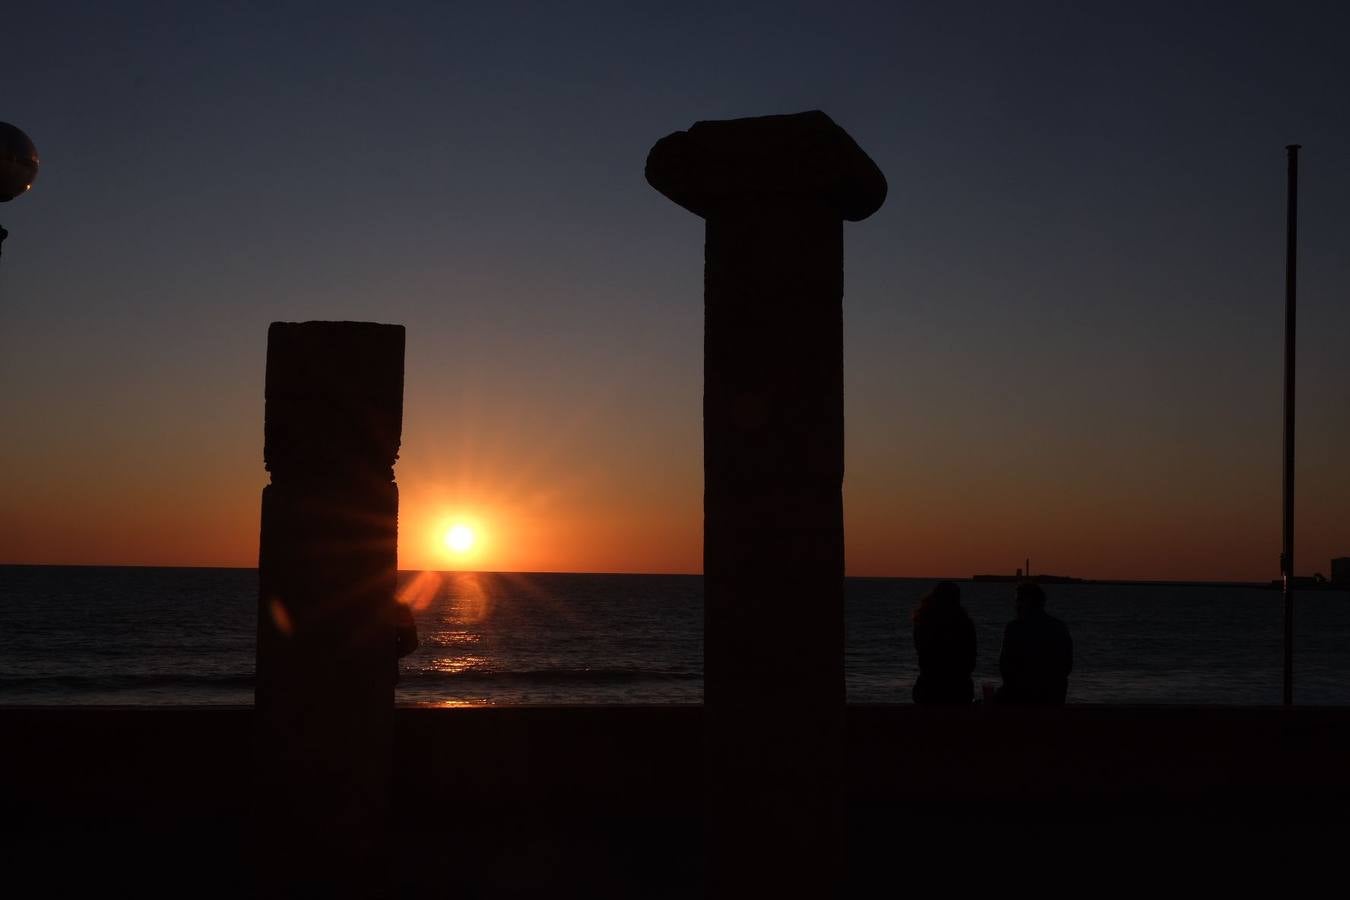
{"points": [[460, 538]]}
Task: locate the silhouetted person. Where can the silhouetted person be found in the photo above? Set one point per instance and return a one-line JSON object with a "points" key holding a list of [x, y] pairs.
{"points": [[944, 638], [1037, 653]]}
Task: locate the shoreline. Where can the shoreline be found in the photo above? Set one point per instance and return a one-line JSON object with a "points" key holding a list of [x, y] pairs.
{"points": [[1064, 580]]}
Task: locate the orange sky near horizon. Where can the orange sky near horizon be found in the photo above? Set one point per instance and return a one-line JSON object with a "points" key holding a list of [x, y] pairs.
{"points": [[542, 497], [582, 470]]}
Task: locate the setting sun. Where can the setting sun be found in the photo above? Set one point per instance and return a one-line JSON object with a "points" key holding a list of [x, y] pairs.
{"points": [[459, 538], [456, 539]]}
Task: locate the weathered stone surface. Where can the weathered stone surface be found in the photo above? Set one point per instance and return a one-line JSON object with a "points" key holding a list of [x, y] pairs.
{"points": [[327, 562], [796, 160], [334, 398], [774, 192], [773, 438], [773, 418]]}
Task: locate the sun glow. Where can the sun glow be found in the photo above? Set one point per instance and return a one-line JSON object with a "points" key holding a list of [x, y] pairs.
{"points": [[457, 540], [460, 538]]}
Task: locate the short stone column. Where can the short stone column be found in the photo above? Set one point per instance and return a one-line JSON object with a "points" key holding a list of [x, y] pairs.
{"points": [[774, 192], [327, 565]]}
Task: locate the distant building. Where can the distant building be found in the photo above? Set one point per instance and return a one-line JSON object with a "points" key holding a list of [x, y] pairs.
{"points": [[1340, 570]]}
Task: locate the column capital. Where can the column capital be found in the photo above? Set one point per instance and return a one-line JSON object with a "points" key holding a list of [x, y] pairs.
{"points": [[334, 402], [803, 159]]}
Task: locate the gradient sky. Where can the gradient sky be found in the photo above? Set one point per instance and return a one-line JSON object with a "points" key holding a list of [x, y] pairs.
{"points": [[1063, 329]]}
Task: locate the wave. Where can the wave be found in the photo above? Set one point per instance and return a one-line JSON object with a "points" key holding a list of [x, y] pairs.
{"points": [[127, 681], [133, 681], [549, 675]]}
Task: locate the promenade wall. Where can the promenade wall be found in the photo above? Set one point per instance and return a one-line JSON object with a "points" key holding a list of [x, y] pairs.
{"points": [[506, 800]]}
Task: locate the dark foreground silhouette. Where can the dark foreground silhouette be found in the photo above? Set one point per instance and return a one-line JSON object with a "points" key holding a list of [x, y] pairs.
{"points": [[18, 166], [944, 639], [774, 192], [329, 627], [607, 802], [1037, 653]]}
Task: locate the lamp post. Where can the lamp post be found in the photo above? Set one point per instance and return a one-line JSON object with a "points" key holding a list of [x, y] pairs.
{"points": [[1290, 347], [18, 166]]}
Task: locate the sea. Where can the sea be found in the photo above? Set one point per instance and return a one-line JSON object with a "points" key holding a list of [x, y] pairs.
{"points": [[177, 636]]}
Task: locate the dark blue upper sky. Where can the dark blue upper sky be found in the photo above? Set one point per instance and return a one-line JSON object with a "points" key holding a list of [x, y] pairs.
{"points": [[1063, 328]]}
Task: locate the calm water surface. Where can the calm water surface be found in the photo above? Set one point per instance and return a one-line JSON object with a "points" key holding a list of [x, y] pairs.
{"points": [[185, 636]]}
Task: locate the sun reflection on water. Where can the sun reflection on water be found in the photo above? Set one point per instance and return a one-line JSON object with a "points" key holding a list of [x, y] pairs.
{"points": [[472, 602], [455, 665]]}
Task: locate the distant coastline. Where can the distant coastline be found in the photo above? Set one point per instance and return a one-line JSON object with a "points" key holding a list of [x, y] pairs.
{"points": [[1302, 583], [1037, 579]]}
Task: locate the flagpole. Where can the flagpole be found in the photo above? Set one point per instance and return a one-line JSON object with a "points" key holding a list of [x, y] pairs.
{"points": [[1287, 554]]}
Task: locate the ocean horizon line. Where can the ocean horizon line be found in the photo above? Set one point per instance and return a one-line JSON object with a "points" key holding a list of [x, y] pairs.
{"points": [[1151, 582]]}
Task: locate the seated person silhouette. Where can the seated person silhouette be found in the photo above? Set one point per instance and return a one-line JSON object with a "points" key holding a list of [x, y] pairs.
{"points": [[1037, 653], [944, 639]]}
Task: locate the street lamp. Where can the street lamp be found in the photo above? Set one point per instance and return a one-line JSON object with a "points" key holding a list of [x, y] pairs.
{"points": [[18, 166]]}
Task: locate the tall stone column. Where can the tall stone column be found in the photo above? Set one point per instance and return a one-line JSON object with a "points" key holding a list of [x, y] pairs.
{"points": [[327, 565], [774, 192]]}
